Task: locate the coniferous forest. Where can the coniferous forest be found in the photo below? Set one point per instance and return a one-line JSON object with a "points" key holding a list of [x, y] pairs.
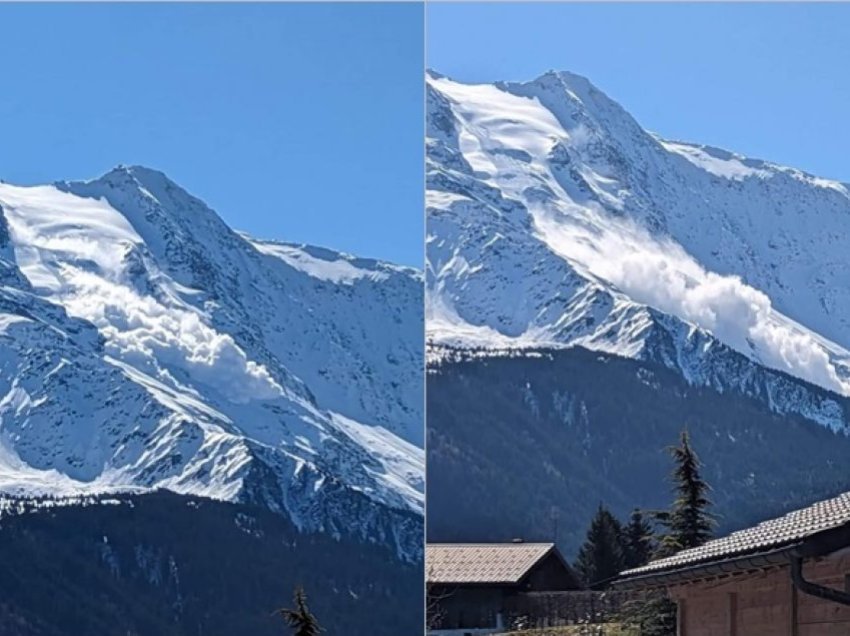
{"points": [[162, 564], [566, 430]]}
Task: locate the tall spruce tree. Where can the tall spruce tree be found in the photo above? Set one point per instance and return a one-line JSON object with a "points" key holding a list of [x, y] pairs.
{"points": [[299, 618], [637, 541], [601, 556], [688, 524]]}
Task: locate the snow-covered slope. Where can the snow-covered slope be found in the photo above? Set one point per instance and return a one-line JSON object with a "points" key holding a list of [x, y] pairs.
{"points": [[554, 219], [144, 344]]}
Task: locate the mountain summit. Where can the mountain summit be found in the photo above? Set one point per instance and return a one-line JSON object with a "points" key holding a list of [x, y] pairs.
{"points": [[556, 220], [144, 344]]}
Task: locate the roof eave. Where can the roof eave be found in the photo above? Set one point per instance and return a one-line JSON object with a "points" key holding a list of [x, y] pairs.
{"points": [[475, 583], [711, 569], [816, 545]]}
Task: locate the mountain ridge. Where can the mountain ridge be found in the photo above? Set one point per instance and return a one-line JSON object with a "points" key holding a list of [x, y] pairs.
{"points": [[555, 219], [177, 353]]}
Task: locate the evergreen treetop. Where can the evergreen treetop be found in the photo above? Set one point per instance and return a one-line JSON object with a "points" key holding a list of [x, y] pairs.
{"points": [[637, 541], [601, 556], [299, 618], [688, 523]]}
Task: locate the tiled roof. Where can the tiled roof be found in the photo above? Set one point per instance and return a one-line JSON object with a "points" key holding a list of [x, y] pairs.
{"points": [[789, 529], [482, 562]]}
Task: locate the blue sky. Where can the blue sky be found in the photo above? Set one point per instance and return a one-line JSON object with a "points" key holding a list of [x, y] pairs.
{"points": [[293, 121], [768, 80]]}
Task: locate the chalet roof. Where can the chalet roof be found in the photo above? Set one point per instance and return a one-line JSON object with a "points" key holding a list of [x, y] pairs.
{"points": [[792, 530], [486, 563]]}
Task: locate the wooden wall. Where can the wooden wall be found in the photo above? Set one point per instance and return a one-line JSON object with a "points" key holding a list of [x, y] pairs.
{"points": [[765, 603], [469, 606], [551, 575]]}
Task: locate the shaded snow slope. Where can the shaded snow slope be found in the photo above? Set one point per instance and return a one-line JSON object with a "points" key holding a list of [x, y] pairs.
{"points": [[145, 344], [554, 219]]}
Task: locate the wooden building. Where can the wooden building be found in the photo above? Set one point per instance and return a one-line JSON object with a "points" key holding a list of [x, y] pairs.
{"points": [[784, 577], [470, 585]]}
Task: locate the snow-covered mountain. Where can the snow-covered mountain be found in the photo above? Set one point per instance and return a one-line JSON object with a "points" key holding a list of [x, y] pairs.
{"points": [[555, 220], [144, 344]]}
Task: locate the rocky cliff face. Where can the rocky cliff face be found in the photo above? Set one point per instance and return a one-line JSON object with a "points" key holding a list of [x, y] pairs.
{"points": [[554, 219], [144, 344]]}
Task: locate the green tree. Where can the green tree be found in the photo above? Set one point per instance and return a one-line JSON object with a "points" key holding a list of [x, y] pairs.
{"points": [[302, 622], [637, 541], [601, 556], [688, 523]]}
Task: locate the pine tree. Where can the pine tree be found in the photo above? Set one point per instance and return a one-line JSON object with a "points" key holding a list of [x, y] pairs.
{"points": [[302, 622], [637, 541], [688, 523], [601, 556]]}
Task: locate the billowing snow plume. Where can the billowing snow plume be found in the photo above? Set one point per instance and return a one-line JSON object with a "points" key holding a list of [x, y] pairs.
{"points": [[75, 251], [659, 273], [145, 333]]}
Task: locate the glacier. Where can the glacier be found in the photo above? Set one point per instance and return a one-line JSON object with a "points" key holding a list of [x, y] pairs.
{"points": [[556, 220], [144, 344]]}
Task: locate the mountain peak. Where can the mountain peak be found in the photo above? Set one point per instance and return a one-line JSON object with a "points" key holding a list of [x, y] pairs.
{"points": [[173, 353], [566, 77], [121, 176], [712, 238], [159, 210], [148, 181]]}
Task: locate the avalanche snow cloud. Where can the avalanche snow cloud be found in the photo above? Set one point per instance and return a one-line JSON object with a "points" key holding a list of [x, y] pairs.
{"points": [[550, 190], [145, 344], [659, 273], [75, 251]]}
